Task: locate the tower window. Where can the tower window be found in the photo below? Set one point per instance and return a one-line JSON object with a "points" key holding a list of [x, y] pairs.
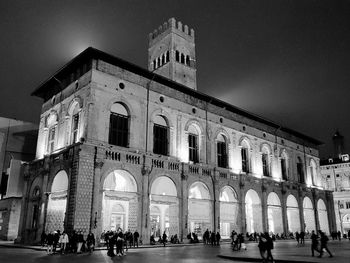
{"points": [[163, 59], [177, 55], [188, 60], [167, 56], [182, 58], [265, 164], [154, 64], [300, 171], [159, 62], [284, 168]]}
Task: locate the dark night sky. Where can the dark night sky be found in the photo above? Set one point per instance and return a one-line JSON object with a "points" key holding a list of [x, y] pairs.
{"points": [[287, 61]]}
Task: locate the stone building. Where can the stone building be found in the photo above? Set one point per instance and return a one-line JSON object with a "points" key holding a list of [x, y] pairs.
{"points": [[18, 141], [335, 174], [122, 146]]}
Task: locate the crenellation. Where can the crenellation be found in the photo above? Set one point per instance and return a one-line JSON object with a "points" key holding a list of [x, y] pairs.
{"points": [[186, 29], [179, 26]]}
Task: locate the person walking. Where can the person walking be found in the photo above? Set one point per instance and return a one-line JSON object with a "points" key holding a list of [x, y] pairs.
{"points": [[265, 246], [111, 242], [324, 241], [302, 237], [164, 238], [90, 241], [314, 243], [63, 242], [50, 240], [80, 241]]}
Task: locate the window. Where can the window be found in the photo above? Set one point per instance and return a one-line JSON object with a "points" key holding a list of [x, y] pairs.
{"points": [[284, 169], [245, 160], [35, 216], [75, 126], [300, 171], [347, 205], [3, 184], [341, 205], [193, 147], [167, 56], [265, 164], [154, 64], [163, 59], [160, 136], [51, 139], [119, 126], [221, 151]]}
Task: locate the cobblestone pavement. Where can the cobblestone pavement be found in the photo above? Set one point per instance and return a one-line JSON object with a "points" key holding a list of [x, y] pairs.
{"points": [[285, 251]]}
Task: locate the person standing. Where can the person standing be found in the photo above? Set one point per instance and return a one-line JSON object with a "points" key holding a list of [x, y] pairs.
{"points": [[324, 241], [50, 240], [80, 242], [111, 241], [136, 238], [302, 237], [314, 243], [43, 238]]}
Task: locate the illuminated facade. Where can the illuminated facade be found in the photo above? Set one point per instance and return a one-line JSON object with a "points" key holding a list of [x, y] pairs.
{"points": [[137, 149]]}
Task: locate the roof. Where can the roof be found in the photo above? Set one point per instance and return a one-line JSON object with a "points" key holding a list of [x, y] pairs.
{"points": [[92, 53]]}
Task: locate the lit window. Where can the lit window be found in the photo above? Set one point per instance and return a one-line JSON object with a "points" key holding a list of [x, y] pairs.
{"points": [[347, 204], [245, 160], [75, 126], [51, 139], [300, 171], [221, 151], [193, 147], [265, 164], [119, 126], [284, 169]]}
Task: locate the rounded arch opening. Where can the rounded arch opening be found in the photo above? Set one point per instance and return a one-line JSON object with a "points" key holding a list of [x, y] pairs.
{"points": [[274, 213], [199, 190], [163, 185], [322, 216], [253, 212], [120, 180], [228, 211], [293, 216], [309, 216]]}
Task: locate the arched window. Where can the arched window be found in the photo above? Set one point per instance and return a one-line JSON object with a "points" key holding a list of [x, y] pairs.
{"points": [[159, 62], [52, 126], [245, 157], [193, 144], [187, 60], [284, 166], [221, 147], [300, 171], [163, 59], [313, 172], [177, 56], [265, 159], [119, 126], [75, 116], [160, 136], [182, 58]]}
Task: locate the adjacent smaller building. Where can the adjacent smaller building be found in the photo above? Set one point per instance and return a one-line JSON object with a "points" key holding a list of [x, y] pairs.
{"points": [[335, 174], [17, 145]]}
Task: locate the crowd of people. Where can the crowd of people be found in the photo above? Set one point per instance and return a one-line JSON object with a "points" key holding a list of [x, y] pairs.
{"points": [[62, 243], [122, 241]]}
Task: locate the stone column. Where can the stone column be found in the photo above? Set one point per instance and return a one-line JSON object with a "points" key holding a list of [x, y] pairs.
{"points": [[144, 203], [317, 222], [184, 204], [301, 211], [284, 211], [96, 216], [243, 220], [264, 218]]}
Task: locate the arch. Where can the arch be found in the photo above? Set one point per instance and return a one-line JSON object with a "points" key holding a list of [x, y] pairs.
{"points": [[120, 180], [273, 199], [292, 201], [265, 148], [313, 171], [198, 190], [74, 106], [118, 208], [120, 108], [228, 194], [253, 212], [274, 213], [307, 203], [309, 215], [36, 192], [223, 133], [193, 124], [293, 216], [163, 185], [164, 114], [51, 119], [60, 182], [160, 120], [229, 208], [322, 216], [124, 102], [244, 141]]}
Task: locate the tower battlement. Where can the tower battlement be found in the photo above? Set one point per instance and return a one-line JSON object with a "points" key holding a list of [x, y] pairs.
{"points": [[172, 24]]}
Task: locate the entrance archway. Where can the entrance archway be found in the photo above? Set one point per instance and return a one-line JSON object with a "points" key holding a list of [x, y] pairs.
{"points": [[253, 212], [56, 207], [200, 209], [119, 202], [309, 215], [164, 207], [228, 211], [346, 223], [323, 216], [293, 215], [274, 214]]}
